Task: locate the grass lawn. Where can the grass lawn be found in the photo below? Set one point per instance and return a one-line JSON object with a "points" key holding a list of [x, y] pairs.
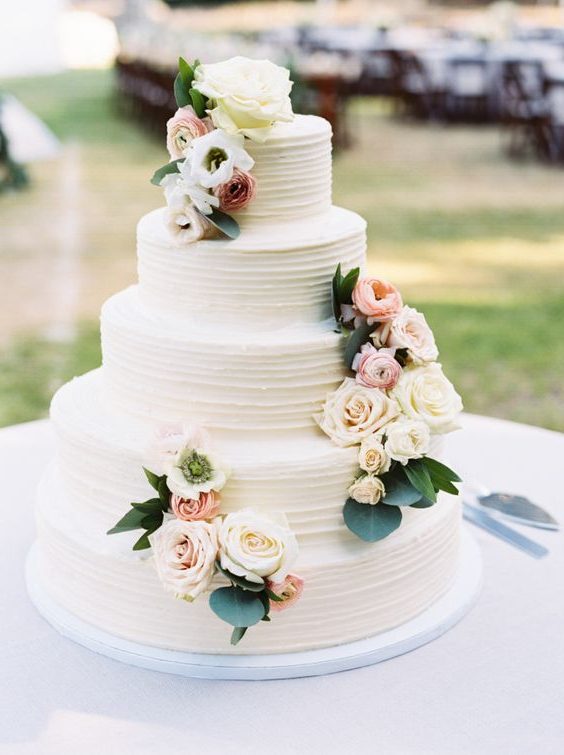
{"points": [[473, 239]]}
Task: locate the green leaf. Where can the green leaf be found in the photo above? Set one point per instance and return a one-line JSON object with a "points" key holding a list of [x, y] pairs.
{"points": [[441, 470], [371, 523], [237, 607], [273, 596], [423, 503], [263, 597], [347, 286], [237, 634], [244, 584], [448, 487], [165, 170], [198, 102], [399, 491], [418, 475], [266, 618], [152, 521], [180, 92], [143, 542], [153, 478], [186, 72], [335, 288], [131, 521], [152, 506], [225, 223], [164, 494], [357, 338]]}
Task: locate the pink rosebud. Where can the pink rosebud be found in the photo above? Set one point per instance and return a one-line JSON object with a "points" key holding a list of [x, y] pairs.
{"points": [[376, 368], [236, 193], [377, 299], [181, 129], [290, 590], [190, 509]]}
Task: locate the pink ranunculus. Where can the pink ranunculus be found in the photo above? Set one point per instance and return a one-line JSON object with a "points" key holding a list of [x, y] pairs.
{"points": [[290, 590], [376, 368], [377, 299], [237, 192], [181, 129], [191, 510]]}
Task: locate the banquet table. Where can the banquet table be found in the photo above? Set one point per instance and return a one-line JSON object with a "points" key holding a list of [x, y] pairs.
{"points": [[492, 684]]}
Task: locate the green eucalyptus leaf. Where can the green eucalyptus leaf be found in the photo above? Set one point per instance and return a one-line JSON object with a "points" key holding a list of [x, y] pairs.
{"points": [[418, 475], [441, 470], [131, 521], [263, 597], [143, 542], [371, 523], [244, 584], [266, 618], [399, 491], [226, 224], [357, 338], [423, 503], [198, 102], [237, 607], [237, 635], [172, 167], [180, 92]]}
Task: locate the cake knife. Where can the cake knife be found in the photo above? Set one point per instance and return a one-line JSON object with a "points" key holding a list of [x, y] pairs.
{"points": [[517, 508], [489, 523]]}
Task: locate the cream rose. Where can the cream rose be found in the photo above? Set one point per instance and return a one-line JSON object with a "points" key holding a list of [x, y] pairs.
{"points": [[372, 456], [184, 556], [181, 129], [254, 546], [247, 96], [424, 393], [354, 412], [409, 330], [407, 439], [367, 489]]}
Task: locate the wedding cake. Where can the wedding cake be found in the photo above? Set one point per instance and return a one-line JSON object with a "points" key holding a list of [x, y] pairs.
{"points": [[262, 433]]}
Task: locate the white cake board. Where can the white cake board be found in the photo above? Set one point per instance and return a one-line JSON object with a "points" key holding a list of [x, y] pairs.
{"points": [[429, 625]]}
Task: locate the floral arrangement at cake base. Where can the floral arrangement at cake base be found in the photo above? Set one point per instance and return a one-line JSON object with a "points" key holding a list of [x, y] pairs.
{"points": [[395, 402], [242, 559]]}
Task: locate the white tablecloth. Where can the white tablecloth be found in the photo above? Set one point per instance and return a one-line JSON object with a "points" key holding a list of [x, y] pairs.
{"points": [[493, 684]]}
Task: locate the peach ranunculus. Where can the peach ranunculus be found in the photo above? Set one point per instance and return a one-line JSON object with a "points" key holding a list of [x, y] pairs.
{"points": [[237, 192], [409, 330], [376, 368], [193, 509], [377, 299], [290, 590], [181, 129]]}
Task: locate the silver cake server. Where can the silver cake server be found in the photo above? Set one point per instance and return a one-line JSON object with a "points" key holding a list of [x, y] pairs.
{"points": [[481, 518], [517, 508]]}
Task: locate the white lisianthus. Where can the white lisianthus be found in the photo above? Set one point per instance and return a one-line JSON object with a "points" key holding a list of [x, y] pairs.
{"points": [[367, 489], [186, 225], [407, 439], [409, 330], [247, 96], [213, 158], [181, 187], [184, 556], [372, 456], [425, 393], [254, 546], [196, 471], [353, 412]]}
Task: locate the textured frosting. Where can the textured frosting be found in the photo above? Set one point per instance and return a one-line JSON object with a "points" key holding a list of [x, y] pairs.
{"points": [[263, 280], [293, 172], [165, 368]]}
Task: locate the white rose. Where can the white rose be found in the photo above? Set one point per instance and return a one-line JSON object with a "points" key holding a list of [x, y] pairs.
{"points": [[372, 456], [407, 439], [353, 412], [425, 393], [213, 158], [367, 489], [254, 546], [247, 96], [186, 225], [409, 330], [184, 556], [196, 471]]}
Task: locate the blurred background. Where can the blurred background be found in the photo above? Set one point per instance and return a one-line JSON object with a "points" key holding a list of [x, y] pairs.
{"points": [[449, 138]]}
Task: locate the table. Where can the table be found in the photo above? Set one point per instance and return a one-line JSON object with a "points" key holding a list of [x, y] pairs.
{"points": [[493, 684]]}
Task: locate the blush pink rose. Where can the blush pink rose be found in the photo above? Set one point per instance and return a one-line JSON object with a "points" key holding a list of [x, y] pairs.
{"points": [[236, 193], [290, 590], [376, 368], [191, 509], [181, 129], [377, 299]]}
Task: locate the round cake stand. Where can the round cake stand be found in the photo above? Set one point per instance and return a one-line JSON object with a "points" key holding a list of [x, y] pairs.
{"points": [[429, 625]]}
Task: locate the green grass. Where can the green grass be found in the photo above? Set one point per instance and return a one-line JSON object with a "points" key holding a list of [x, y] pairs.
{"points": [[474, 240]]}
